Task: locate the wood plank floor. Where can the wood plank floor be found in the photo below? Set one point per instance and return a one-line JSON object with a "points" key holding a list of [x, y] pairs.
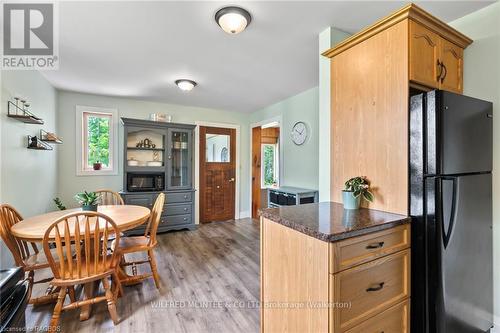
{"points": [[210, 283]]}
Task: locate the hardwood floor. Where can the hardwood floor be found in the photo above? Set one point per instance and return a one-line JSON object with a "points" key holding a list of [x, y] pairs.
{"points": [[210, 283]]}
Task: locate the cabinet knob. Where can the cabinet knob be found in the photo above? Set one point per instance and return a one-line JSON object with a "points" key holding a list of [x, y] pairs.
{"points": [[185, 219], [185, 196], [185, 209]]}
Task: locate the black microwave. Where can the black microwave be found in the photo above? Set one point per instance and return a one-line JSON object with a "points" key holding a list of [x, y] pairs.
{"points": [[145, 182]]}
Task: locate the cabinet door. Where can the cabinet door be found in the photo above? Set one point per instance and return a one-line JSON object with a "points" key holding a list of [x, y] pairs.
{"points": [[179, 173], [452, 58], [424, 55]]}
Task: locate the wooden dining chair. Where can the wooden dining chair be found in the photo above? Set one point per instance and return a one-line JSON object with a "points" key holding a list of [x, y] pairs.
{"points": [[109, 197], [26, 254], [145, 243], [89, 233]]}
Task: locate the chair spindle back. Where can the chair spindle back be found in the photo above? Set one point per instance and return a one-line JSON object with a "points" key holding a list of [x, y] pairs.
{"points": [[108, 197], [87, 233]]}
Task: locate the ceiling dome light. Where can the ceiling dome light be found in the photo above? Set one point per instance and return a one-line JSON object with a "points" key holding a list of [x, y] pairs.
{"points": [[185, 84], [233, 20]]}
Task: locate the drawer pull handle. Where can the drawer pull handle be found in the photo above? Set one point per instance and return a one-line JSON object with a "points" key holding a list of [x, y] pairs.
{"points": [[377, 288], [375, 245]]}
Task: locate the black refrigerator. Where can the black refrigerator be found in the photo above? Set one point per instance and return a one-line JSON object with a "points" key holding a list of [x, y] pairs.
{"points": [[451, 140]]}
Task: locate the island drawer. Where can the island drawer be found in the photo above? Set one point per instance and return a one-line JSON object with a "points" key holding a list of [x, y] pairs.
{"points": [[368, 289], [358, 250], [393, 320]]}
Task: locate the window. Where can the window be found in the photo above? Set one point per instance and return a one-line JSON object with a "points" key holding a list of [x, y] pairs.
{"points": [[270, 167], [96, 141]]}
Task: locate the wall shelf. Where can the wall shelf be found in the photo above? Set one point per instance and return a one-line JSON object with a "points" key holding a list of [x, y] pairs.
{"points": [[36, 144], [15, 112]]}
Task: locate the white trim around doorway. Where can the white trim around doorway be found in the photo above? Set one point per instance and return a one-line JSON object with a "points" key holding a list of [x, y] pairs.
{"points": [[197, 166]]}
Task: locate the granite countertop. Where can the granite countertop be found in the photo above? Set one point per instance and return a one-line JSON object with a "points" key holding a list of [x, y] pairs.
{"points": [[328, 221]]}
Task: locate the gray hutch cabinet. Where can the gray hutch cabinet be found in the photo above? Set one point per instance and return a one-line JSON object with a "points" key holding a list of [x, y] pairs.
{"points": [[158, 157]]}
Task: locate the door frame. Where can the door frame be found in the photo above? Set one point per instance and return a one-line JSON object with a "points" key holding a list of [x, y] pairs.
{"points": [[279, 120], [236, 127]]}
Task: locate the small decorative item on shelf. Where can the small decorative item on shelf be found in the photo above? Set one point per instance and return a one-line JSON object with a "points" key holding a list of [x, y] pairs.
{"points": [[156, 156], [132, 162], [97, 166], [88, 200], [160, 117], [355, 188], [147, 143], [50, 137], [177, 145], [35, 143]]}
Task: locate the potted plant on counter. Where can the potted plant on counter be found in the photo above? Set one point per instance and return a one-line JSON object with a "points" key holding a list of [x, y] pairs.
{"points": [[355, 189], [88, 200]]}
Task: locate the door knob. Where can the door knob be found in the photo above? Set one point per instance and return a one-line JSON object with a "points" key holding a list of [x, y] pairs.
{"points": [[231, 180], [218, 186]]}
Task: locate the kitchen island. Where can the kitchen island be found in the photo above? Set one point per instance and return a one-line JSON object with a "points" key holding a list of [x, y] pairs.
{"points": [[326, 269]]}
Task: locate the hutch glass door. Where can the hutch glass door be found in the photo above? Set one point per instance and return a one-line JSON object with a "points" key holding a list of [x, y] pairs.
{"points": [[179, 160]]}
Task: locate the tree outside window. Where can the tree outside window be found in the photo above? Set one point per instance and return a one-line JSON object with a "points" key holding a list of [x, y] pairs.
{"points": [[269, 165], [96, 140]]}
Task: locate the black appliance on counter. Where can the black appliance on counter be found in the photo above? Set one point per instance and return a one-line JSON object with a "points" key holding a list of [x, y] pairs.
{"points": [[451, 151], [144, 182], [15, 292]]}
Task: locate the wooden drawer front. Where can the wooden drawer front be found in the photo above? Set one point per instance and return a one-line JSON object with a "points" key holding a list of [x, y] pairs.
{"points": [[393, 320], [358, 250], [178, 219], [369, 289], [179, 197], [170, 210]]}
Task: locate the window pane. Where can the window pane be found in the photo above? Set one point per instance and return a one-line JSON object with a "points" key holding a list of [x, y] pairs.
{"points": [[268, 163], [97, 140], [217, 148]]}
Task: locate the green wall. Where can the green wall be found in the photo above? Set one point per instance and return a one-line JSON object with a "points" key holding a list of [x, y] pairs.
{"points": [[28, 178], [300, 163], [482, 80]]}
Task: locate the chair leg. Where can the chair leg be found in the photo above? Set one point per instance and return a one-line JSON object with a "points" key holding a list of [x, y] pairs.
{"points": [[71, 292], [111, 301], [54, 322], [154, 269], [118, 284]]}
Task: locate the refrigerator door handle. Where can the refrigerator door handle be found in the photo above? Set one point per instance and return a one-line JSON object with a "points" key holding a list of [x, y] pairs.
{"points": [[446, 234]]}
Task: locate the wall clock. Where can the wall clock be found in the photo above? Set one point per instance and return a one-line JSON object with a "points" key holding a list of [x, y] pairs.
{"points": [[299, 133]]}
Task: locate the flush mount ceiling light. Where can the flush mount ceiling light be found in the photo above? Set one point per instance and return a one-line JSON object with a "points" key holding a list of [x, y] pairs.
{"points": [[185, 84], [233, 20]]}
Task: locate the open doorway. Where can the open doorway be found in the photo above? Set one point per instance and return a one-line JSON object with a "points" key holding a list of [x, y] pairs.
{"points": [[265, 162]]}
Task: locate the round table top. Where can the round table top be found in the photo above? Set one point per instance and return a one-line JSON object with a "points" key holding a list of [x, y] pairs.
{"points": [[125, 216]]}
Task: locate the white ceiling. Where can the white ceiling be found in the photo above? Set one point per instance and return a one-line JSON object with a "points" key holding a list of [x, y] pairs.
{"points": [[138, 49]]}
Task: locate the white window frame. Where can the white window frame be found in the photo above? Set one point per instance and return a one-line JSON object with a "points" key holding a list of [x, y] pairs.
{"points": [[276, 164], [80, 154]]}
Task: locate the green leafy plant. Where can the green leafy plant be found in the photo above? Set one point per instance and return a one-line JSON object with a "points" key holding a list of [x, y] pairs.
{"points": [[87, 198], [59, 204], [359, 186]]}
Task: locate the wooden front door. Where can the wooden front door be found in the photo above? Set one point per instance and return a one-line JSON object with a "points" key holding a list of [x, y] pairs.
{"points": [[256, 160], [217, 173]]}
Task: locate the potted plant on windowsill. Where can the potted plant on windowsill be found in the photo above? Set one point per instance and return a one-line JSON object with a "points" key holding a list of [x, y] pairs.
{"points": [[355, 189], [88, 200]]}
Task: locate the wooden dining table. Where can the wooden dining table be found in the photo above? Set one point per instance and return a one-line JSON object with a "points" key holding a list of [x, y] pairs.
{"points": [[126, 217]]}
